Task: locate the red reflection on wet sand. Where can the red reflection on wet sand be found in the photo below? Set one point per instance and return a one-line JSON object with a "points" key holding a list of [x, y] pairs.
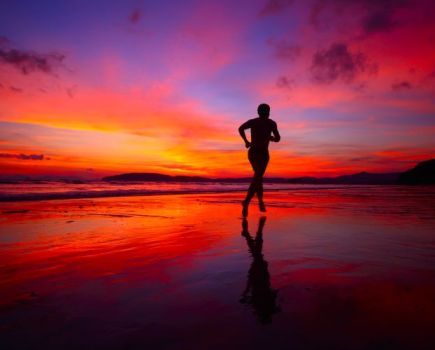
{"points": [[345, 268]]}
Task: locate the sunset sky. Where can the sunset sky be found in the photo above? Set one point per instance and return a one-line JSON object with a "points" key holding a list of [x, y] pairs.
{"points": [[93, 88]]}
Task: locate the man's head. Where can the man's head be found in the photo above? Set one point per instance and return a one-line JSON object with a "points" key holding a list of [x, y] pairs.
{"points": [[263, 110]]}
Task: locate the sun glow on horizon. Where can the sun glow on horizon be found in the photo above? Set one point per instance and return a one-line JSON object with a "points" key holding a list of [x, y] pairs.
{"points": [[164, 90]]}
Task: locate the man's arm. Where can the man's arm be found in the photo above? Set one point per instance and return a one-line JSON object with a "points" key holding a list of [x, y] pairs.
{"points": [[242, 128], [276, 136]]}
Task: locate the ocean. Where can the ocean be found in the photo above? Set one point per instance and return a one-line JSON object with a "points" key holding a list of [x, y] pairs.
{"points": [[44, 190]]}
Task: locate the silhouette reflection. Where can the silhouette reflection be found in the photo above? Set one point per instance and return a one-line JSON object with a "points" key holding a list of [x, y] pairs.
{"points": [[258, 292]]}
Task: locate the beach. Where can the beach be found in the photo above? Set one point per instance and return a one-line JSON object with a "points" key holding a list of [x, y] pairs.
{"points": [[340, 267]]}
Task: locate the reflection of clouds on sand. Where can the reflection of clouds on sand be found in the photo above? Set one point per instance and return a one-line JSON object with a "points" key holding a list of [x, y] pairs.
{"points": [[258, 292]]}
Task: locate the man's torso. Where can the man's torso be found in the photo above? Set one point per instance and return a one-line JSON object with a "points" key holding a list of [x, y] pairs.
{"points": [[261, 130]]}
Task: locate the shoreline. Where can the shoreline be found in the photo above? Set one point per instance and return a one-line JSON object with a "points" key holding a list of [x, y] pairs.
{"points": [[49, 196], [68, 196]]}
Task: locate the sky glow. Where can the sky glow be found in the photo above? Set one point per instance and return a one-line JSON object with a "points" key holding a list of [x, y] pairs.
{"points": [[105, 87]]}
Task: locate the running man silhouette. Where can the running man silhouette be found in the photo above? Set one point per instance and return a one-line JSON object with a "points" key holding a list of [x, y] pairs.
{"points": [[263, 130]]}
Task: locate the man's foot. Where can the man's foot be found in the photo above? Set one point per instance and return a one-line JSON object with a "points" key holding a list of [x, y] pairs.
{"points": [[262, 206], [245, 209]]}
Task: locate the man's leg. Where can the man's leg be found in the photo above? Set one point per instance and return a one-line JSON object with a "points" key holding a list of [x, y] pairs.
{"points": [[262, 169], [253, 187]]}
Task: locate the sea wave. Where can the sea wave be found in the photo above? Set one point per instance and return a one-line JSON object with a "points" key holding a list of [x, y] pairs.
{"points": [[58, 190], [99, 194]]}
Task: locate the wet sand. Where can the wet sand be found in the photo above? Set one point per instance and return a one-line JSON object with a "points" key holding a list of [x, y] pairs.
{"points": [[345, 268]]}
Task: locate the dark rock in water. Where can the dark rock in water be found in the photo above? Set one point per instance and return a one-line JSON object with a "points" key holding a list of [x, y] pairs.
{"points": [[422, 174]]}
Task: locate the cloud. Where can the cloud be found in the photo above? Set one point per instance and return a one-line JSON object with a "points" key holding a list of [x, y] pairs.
{"points": [[284, 82], [23, 156], [15, 89], [362, 159], [285, 50], [71, 91], [29, 61], [339, 63], [403, 85], [378, 21], [274, 6], [380, 15], [135, 16], [372, 16]]}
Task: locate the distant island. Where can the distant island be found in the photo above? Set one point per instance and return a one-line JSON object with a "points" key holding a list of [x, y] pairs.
{"points": [[422, 174], [154, 177]]}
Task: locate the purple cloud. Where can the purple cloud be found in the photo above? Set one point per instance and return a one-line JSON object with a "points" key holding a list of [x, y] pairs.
{"points": [[374, 16], [28, 61], [274, 6], [23, 156], [380, 15], [339, 63]]}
